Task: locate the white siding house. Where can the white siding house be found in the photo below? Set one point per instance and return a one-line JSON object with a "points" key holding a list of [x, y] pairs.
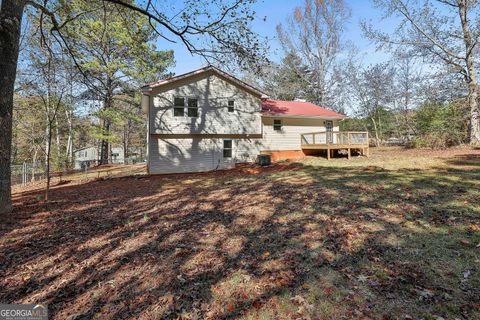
{"points": [[207, 120], [89, 156], [85, 157]]}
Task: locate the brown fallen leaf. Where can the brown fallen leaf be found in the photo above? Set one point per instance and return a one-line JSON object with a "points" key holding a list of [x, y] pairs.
{"points": [[230, 307]]}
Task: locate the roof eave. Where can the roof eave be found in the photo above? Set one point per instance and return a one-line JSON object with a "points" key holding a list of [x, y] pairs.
{"points": [[303, 116], [148, 88]]}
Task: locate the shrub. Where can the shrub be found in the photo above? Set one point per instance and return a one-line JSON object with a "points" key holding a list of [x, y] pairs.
{"points": [[440, 125]]}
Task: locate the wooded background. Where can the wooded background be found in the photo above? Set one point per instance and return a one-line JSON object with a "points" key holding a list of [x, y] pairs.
{"points": [[70, 71]]}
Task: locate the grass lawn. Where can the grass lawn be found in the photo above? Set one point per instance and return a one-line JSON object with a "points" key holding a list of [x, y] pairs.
{"points": [[395, 236]]}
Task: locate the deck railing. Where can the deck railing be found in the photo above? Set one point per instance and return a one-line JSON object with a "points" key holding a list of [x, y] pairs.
{"points": [[335, 138]]}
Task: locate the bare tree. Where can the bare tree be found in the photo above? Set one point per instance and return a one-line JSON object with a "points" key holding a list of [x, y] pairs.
{"points": [[51, 107], [445, 31], [218, 29], [314, 33], [48, 76], [372, 91], [409, 80]]}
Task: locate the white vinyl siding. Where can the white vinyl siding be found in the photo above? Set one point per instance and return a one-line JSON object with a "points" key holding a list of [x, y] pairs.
{"points": [[213, 94], [196, 155], [187, 155], [86, 154], [246, 150], [288, 138], [196, 143]]}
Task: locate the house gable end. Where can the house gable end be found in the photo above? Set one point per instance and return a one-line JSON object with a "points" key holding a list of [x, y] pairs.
{"points": [[211, 93]]}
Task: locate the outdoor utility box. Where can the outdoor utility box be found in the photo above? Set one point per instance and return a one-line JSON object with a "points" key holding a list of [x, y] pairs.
{"points": [[264, 159]]}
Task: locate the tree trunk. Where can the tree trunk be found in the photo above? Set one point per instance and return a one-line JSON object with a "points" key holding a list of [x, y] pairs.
{"points": [[474, 114], [126, 138], [107, 105], [58, 145], [471, 76], [10, 27], [105, 144], [69, 149], [49, 144], [69, 117], [34, 164], [377, 142]]}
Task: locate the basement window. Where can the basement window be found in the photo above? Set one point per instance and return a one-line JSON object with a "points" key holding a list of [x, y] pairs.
{"points": [[277, 125], [192, 107], [178, 107], [231, 106], [227, 148]]}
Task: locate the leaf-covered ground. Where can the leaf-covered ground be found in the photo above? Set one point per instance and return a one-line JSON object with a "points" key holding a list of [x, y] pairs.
{"points": [[396, 236]]}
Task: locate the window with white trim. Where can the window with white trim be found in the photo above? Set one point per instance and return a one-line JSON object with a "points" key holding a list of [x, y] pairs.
{"points": [[231, 106], [227, 148], [178, 107], [192, 107], [277, 124]]}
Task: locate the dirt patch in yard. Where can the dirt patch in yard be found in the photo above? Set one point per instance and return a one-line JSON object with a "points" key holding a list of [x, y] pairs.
{"points": [[377, 238]]}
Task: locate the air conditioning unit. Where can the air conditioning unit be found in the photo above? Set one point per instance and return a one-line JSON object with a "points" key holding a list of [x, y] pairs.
{"points": [[264, 159]]}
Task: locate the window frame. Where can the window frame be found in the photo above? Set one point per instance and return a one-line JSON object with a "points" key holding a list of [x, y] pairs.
{"points": [[277, 126], [231, 108], [177, 108], [192, 108], [227, 149]]}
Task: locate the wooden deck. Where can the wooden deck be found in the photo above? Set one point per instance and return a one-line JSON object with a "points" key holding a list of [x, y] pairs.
{"points": [[336, 140]]}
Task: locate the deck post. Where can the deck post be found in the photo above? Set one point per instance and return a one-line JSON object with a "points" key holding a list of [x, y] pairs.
{"points": [[328, 153], [349, 153]]}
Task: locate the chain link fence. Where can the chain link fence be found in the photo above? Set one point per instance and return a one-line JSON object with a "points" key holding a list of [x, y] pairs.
{"points": [[27, 172]]}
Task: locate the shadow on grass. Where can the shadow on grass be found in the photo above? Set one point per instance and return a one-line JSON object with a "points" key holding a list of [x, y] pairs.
{"points": [[465, 160], [318, 242]]}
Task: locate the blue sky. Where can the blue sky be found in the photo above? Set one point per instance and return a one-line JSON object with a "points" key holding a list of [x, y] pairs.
{"points": [[276, 11]]}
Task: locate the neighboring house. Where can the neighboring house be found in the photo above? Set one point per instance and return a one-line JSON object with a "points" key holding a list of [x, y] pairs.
{"points": [[89, 156], [117, 155], [207, 120], [85, 157]]}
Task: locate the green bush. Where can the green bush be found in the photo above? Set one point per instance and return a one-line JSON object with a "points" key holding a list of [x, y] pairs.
{"points": [[440, 125]]}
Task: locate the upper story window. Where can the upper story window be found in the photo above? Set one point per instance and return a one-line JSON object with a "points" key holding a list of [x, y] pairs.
{"points": [[231, 106], [192, 107], [277, 124], [178, 107]]}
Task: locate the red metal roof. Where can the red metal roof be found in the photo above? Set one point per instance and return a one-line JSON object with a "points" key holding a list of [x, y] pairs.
{"points": [[296, 108]]}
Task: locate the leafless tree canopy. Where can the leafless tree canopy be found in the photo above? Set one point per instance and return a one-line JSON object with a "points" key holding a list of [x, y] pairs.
{"points": [[314, 33], [445, 31]]}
